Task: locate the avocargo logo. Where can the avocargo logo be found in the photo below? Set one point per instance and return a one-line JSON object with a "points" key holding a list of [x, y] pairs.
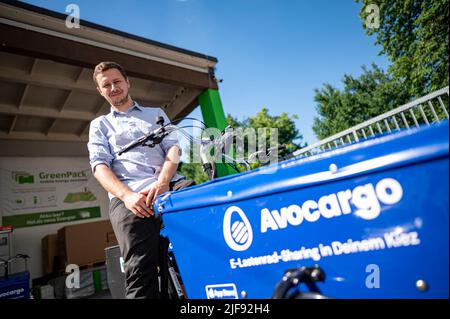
{"points": [[237, 231], [364, 200], [12, 294]]}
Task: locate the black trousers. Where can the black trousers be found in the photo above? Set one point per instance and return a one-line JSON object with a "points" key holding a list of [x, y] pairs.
{"points": [[139, 245]]}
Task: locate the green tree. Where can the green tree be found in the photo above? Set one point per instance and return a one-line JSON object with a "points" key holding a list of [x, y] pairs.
{"points": [[193, 171], [414, 34], [288, 135], [373, 93]]}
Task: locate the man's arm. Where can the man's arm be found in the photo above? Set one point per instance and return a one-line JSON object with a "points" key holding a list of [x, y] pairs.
{"points": [[133, 201], [167, 172]]}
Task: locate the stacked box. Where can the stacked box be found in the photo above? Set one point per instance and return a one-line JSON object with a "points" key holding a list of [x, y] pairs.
{"points": [[84, 244], [49, 253]]}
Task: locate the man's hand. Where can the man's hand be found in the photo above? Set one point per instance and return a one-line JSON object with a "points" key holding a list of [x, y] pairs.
{"points": [[136, 203], [156, 189]]}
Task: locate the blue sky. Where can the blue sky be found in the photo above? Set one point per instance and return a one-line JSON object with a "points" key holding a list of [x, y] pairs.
{"points": [[271, 53]]}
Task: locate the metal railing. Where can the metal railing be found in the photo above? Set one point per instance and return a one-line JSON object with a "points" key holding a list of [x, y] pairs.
{"points": [[408, 116]]}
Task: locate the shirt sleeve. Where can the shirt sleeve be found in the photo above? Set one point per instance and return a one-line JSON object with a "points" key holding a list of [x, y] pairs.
{"points": [[98, 146], [171, 139]]}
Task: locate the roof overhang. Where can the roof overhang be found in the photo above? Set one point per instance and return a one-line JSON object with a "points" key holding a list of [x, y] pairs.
{"points": [[46, 88]]}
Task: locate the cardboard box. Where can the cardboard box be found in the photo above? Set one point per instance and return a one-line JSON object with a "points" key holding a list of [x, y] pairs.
{"points": [[50, 253], [85, 244]]}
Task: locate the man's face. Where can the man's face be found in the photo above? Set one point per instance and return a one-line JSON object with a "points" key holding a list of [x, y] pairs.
{"points": [[113, 87]]}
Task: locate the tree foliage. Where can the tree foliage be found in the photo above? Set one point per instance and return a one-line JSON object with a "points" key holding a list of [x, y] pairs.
{"points": [[288, 135], [193, 171], [372, 93], [414, 35]]}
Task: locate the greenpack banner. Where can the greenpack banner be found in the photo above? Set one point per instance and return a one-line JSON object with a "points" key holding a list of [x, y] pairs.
{"points": [[33, 197]]}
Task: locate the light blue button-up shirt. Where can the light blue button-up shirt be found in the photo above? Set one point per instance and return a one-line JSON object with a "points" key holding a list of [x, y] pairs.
{"points": [[139, 167]]}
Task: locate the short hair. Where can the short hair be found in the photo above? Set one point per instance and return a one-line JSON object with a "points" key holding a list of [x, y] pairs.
{"points": [[104, 66]]}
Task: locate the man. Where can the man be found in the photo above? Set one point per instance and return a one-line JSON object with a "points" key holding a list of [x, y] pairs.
{"points": [[133, 179]]}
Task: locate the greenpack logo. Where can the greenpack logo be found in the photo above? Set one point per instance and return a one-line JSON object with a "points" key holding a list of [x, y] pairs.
{"points": [[23, 178], [62, 175]]}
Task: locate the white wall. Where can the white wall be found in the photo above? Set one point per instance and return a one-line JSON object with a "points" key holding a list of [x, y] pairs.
{"points": [[27, 240]]}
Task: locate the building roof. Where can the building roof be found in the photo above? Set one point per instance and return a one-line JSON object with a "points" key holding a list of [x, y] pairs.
{"points": [[47, 96]]}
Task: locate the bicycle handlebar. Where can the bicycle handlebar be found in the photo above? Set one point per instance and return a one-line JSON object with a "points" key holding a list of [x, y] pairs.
{"points": [[139, 141], [155, 137], [220, 145]]}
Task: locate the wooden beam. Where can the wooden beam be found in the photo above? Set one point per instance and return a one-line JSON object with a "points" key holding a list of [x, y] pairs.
{"points": [[47, 113], [24, 95], [34, 136], [33, 66], [17, 76], [39, 45], [78, 76], [50, 127], [83, 128], [66, 99], [46, 148], [187, 110], [13, 123], [99, 107], [183, 103]]}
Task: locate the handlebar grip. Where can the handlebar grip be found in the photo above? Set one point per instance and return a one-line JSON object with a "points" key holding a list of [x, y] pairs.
{"points": [[143, 139], [160, 120]]}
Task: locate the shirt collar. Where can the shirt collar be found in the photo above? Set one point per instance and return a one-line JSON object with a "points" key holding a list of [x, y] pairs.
{"points": [[135, 106]]}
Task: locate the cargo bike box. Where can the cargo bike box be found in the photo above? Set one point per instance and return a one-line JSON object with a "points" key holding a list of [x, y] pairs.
{"points": [[372, 216]]}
